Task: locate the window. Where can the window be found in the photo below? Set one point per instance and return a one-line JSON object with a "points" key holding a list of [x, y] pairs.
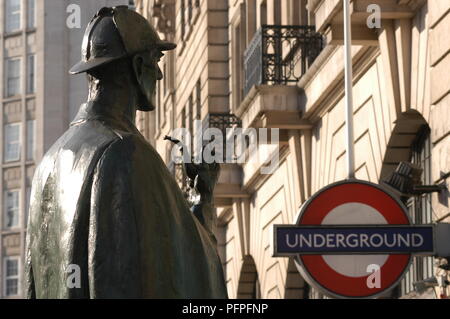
{"points": [[12, 142], [164, 81], [12, 77], [198, 102], [302, 9], [238, 43], [251, 20], [31, 14], [31, 74], [189, 12], [31, 127], [263, 13], [420, 211], [183, 118], [190, 8], [183, 21], [191, 118], [293, 12], [277, 12], [11, 276], [158, 106], [12, 15], [183, 125], [11, 219]]}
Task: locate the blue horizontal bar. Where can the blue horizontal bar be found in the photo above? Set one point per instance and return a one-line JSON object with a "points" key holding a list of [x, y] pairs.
{"points": [[351, 239]]}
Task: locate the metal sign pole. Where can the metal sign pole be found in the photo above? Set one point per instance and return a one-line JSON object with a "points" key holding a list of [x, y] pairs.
{"points": [[349, 90]]}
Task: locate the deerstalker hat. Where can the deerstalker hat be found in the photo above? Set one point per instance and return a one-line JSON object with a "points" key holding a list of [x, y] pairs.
{"points": [[115, 33]]}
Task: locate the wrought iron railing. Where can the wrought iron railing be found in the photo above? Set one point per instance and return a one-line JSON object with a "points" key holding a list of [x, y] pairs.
{"points": [[280, 55], [222, 121]]}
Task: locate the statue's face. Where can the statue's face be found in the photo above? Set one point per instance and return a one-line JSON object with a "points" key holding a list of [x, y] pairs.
{"points": [[147, 73]]}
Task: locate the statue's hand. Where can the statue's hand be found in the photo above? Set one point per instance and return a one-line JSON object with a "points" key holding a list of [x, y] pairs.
{"points": [[204, 184], [206, 179], [203, 177]]}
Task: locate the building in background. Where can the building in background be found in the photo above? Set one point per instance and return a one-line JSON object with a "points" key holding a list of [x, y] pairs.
{"points": [[38, 100], [279, 64]]}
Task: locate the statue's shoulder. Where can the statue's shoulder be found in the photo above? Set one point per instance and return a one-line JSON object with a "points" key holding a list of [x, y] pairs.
{"points": [[85, 141], [131, 145], [135, 153]]}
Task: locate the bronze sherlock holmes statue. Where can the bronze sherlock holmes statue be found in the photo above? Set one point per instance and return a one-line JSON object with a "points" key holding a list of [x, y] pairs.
{"points": [[102, 198]]}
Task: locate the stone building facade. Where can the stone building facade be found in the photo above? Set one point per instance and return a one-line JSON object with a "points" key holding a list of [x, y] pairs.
{"points": [[40, 40], [279, 64]]}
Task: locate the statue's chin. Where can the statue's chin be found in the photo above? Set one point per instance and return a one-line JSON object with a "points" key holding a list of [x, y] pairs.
{"points": [[147, 104]]}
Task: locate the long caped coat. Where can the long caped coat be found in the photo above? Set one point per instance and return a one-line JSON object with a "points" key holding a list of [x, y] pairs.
{"points": [[103, 200]]}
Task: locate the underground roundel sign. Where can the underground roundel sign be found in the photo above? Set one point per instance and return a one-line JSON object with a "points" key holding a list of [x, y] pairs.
{"points": [[352, 239]]}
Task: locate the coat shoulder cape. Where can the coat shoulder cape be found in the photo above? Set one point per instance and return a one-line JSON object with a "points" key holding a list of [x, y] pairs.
{"points": [[107, 220]]}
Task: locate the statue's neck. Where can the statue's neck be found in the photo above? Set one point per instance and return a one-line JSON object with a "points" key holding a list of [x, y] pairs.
{"points": [[118, 102]]}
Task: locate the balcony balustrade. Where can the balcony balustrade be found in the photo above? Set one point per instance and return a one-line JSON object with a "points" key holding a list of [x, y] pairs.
{"points": [[280, 55]]}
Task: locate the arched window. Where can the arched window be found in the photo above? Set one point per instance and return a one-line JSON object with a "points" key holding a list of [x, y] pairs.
{"points": [[419, 208]]}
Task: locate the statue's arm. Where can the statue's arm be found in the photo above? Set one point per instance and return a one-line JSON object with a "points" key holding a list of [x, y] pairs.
{"points": [[203, 178], [205, 212], [204, 183], [113, 246]]}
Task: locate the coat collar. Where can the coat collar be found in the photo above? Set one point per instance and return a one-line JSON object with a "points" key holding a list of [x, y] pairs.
{"points": [[95, 111]]}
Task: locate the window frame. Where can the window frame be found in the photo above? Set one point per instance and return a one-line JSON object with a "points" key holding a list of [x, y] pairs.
{"points": [[8, 62], [31, 74], [9, 14], [6, 142], [189, 13], [31, 147], [15, 277], [238, 47], [31, 14], [5, 209]]}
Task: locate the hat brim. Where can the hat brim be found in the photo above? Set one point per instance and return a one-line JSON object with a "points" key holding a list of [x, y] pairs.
{"points": [[84, 66], [166, 45]]}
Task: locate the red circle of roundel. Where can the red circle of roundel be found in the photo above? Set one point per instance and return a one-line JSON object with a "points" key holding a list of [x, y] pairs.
{"points": [[314, 213]]}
